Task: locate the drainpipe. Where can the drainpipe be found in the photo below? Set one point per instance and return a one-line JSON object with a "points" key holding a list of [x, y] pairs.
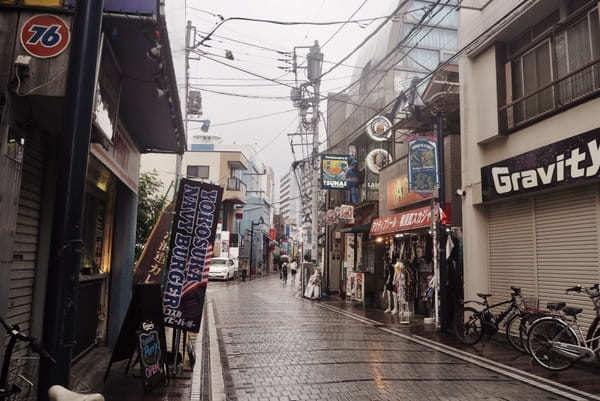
{"points": [[65, 259]]}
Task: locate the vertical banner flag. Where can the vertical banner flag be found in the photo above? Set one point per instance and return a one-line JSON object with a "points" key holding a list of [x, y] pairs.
{"points": [[192, 238], [149, 267]]}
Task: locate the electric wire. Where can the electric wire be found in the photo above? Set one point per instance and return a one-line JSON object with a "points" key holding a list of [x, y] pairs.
{"points": [[290, 23], [251, 118], [343, 25], [449, 61]]}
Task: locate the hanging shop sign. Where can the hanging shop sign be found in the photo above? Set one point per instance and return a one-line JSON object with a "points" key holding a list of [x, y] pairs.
{"points": [[399, 193], [333, 171], [331, 218], [352, 243], [272, 234], [346, 212], [149, 267], [192, 238], [45, 36], [422, 163], [573, 159], [379, 128], [409, 220], [377, 159]]}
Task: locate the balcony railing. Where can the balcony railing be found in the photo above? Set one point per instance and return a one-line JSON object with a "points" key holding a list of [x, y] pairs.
{"points": [[235, 184], [570, 90]]}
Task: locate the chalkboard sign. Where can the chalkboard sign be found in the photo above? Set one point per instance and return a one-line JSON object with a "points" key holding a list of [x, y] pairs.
{"points": [[151, 358]]}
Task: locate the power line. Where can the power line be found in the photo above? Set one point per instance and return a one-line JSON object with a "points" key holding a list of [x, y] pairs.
{"points": [[246, 95], [288, 23], [449, 61], [343, 25], [361, 44], [251, 118]]}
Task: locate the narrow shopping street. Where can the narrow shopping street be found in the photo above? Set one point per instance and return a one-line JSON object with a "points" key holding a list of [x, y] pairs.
{"points": [[276, 346]]}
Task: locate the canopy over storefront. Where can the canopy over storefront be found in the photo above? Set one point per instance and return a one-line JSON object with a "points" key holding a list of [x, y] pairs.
{"points": [[405, 221]]}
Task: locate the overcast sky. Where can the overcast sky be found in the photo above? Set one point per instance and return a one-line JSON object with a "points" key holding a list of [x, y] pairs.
{"points": [[268, 134]]}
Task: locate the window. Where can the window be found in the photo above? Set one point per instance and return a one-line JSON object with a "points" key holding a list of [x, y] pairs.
{"points": [[197, 172], [549, 70]]}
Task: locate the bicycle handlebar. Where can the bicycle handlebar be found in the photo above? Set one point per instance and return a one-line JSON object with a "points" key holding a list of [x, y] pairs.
{"points": [[580, 288], [33, 343]]}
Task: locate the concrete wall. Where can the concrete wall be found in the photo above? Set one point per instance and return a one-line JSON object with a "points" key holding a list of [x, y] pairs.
{"points": [[481, 143]]}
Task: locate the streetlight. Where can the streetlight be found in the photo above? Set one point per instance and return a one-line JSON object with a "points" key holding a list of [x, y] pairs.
{"points": [[252, 224]]}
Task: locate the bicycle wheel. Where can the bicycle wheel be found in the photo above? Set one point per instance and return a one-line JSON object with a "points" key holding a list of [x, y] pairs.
{"points": [[467, 325], [526, 322], [513, 333], [541, 335]]}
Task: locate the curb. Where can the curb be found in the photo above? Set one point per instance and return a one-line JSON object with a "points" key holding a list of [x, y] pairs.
{"points": [[208, 368], [524, 377]]}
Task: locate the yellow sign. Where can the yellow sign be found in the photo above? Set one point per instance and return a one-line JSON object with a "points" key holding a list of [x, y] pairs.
{"points": [[45, 3]]}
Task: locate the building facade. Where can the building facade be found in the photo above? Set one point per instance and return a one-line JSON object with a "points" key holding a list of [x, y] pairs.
{"points": [[127, 121], [529, 105]]}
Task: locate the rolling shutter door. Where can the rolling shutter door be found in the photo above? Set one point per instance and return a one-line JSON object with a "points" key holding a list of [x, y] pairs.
{"points": [[567, 246], [511, 242], [25, 251]]}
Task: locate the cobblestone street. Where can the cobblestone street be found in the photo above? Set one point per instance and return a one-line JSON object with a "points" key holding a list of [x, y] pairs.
{"points": [[276, 346]]}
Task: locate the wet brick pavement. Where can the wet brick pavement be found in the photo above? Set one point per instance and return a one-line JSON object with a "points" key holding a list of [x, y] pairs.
{"points": [[275, 346]]}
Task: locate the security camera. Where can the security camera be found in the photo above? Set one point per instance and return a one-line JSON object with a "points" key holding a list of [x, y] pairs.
{"points": [[460, 192]]}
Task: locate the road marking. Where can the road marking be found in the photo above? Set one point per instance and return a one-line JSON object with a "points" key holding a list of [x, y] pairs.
{"points": [[524, 377]]}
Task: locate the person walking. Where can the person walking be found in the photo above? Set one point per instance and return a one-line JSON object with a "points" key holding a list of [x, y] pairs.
{"points": [[293, 268], [284, 271]]}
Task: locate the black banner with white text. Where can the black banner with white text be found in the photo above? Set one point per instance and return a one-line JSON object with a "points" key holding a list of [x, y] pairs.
{"points": [[192, 239]]}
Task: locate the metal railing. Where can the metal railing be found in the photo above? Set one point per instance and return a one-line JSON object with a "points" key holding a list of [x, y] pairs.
{"points": [[567, 91], [235, 184]]}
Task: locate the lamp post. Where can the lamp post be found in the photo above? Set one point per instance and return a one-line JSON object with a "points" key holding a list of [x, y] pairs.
{"points": [[252, 224]]}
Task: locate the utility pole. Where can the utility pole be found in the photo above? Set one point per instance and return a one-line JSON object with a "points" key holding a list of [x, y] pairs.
{"points": [[65, 260]]}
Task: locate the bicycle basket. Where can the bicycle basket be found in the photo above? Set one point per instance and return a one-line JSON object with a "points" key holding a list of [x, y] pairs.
{"points": [[531, 303], [23, 372]]}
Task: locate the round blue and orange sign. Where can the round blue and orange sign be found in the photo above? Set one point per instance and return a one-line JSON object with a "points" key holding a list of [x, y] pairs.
{"points": [[45, 36]]}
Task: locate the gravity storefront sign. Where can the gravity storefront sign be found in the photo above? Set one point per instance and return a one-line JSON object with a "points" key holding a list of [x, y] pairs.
{"points": [[333, 171], [404, 221], [422, 163], [192, 239], [379, 128], [570, 160]]}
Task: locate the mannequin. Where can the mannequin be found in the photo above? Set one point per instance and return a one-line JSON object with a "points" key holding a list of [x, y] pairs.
{"points": [[398, 282], [388, 287]]}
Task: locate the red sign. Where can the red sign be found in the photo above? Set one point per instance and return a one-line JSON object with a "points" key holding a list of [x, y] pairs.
{"points": [[272, 234], [45, 36], [404, 221]]}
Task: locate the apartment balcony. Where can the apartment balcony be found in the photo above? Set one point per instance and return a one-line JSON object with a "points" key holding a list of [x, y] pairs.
{"points": [[570, 90], [235, 191]]}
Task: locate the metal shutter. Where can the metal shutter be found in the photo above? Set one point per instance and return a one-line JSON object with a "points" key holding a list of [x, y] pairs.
{"points": [[567, 246], [511, 243], [25, 251]]}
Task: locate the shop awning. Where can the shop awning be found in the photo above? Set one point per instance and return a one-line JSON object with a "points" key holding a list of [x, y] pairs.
{"points": [[155, 123], [405, 221], [361, 228]]}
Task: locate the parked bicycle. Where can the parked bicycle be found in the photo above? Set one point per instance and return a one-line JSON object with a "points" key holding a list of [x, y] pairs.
{"points": [[15, 376], [470, 324], [557, 342]]}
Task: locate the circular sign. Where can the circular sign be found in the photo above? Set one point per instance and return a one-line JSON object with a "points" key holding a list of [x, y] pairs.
{"points": [[378, 159], [45, 36], [378, 128]]}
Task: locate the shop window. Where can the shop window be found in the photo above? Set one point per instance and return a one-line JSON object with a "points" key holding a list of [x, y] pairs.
{"points": [[95, 216], [15, 145], [197, 172], [106, 101]]}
